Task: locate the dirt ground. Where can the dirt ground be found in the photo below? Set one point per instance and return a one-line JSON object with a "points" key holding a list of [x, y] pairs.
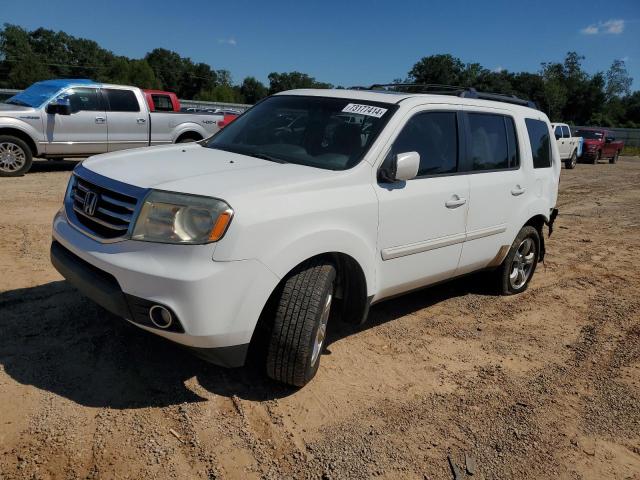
{"points": [[541, 385]]}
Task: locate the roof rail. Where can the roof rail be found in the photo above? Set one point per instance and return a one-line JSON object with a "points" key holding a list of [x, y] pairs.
{"points": [[459, 91]]}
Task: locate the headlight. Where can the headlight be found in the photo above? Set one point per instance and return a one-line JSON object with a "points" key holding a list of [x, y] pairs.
{"points": [[179, 218]]}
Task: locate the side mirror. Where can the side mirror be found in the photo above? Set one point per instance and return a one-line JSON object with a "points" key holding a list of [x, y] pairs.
{"points": [[400, 167], [608, 140], [558, 136], [60, 106]]}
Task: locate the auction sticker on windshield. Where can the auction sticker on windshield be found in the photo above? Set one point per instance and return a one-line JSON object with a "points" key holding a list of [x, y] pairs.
{"points": [[368, 110]]}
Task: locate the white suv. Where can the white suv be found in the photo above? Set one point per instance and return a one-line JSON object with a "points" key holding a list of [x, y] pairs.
{"points": [[307, 209]]}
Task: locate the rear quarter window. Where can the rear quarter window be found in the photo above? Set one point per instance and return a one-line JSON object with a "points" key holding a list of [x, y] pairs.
{"points": [[162, 103], [540, 142]]}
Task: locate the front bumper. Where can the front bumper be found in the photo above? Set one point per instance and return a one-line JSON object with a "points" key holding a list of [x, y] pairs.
{"points": [[217, 304]]}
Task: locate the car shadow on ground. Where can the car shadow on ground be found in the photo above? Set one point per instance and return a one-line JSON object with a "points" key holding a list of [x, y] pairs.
{"points": [[56, 340], [42, 166]]}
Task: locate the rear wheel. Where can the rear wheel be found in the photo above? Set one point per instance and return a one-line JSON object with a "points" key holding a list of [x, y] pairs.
{"points": [[518, 267], [571, 163], [614, 159], [300, 324], [15, 156]]}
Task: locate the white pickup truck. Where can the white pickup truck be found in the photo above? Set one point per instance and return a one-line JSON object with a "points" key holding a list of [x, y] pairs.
{"points": [[567, 144], [78, 118], [307, 209]]}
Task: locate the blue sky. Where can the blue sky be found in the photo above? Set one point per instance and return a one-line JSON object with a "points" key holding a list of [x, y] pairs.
{"points": [[349, 42]]}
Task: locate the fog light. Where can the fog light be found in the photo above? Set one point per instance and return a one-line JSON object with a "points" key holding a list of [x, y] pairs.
{"points": [[160, 316]]}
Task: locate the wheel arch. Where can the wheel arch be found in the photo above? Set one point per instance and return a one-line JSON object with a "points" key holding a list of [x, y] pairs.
{"points": [[538, 222], [22, 135]]}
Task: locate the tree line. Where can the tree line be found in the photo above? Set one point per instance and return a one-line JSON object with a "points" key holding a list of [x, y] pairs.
{"points": [[564, 90]]}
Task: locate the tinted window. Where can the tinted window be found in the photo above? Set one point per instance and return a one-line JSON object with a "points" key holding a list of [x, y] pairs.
{"points": [[122, 101], [565, 132], [323, 132], [589, 134], [512, 141], [83, 99], [434, 136], [540, 144], [162, 103], [489, 149]]}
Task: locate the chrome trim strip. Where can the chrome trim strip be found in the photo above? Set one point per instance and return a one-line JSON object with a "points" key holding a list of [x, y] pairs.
{"points": [[419, 247], [101, 222], [119, 216], [119, 203]]}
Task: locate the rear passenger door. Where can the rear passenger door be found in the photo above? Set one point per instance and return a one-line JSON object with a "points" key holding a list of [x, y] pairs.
{"points": [[422, 221], [497, 184], [127, 121]]}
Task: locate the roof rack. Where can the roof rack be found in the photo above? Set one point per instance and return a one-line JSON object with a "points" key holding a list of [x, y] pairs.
{"points": [[458, 91]]}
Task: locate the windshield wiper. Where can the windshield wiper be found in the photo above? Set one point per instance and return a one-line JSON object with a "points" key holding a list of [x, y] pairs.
{"points": [[264, 156]]}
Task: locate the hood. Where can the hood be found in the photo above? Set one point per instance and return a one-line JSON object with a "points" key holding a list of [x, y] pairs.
{"points": [[192, 168], [10, 110]]}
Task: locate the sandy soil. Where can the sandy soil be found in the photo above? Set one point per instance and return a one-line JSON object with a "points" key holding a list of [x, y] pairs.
{"points": [[541, 385]]}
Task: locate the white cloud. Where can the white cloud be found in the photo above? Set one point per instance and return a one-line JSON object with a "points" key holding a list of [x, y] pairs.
{"points": [[228, 41], [498, 69], [590, 30], [612, 27]]}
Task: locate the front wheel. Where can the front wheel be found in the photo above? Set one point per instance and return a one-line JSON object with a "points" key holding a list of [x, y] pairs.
{"points": [[300, 324], [15, 156], [596, 159], [518, 267], [614, 159]]}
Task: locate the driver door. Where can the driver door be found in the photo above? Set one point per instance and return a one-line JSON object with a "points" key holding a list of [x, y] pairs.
{"points": [[84, 131]]}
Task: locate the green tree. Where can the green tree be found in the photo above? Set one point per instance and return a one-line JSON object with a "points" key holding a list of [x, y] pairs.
{"points": [[279, 82], [618, 80], [253, 90], [443, 69]]}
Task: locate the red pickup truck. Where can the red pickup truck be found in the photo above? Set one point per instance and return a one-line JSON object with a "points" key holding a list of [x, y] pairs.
{"points": [[160, 101], [599, 143]]}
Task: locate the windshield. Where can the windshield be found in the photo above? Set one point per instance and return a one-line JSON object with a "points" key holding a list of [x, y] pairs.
{"points": [[34, 96], [330, 133], [589, 134]]}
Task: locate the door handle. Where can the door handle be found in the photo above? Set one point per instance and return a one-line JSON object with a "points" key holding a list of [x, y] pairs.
{"points": [[100, 119], [141, 120], [455, 202], [518, 190]]}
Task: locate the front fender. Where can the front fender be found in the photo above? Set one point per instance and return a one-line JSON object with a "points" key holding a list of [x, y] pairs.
{"points": [[31, 127]]}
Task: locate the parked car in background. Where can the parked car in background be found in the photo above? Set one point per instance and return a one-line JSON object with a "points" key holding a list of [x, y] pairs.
{"points": [[568, 145], [77, 118], [599, 143], [306, 210], [228, 118], [161, 101]]}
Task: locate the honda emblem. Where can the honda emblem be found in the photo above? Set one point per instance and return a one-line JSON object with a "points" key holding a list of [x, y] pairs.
{"points": [[90, 202]]}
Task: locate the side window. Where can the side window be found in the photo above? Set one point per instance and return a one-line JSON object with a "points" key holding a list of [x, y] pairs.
{"points": [[565, 132], [489, 149], [434, 135], [162, 103], [512, 140], [83, 100], [558, 132], [540, 143], [122, 100]]}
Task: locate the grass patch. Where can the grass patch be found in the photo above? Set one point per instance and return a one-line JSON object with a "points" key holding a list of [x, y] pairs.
{"points": [[631, 151]]}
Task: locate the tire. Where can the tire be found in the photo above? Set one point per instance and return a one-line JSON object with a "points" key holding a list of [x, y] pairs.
{"points": [[614, 159], [571, 163], [299, 328], [15, 156], [596, 159], [187, 140], [516, 272]]}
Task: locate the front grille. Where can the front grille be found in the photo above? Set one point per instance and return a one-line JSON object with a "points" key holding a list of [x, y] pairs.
{"points": [[109, 213]]}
